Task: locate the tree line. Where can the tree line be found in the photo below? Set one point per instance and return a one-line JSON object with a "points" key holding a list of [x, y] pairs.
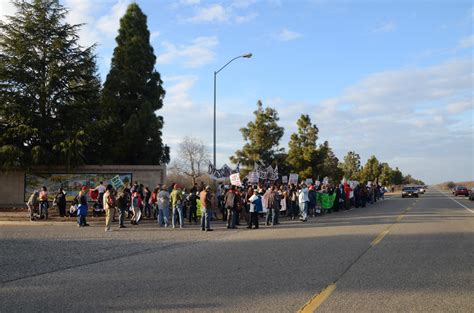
{"points": [[54, 109], [305, 156]]}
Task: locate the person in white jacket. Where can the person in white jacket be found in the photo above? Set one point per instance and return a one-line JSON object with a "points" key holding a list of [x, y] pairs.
{"points": [[303, 199]]}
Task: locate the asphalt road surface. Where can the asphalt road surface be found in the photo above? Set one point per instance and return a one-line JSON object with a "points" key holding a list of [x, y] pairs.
{"points": [[399, 255]]}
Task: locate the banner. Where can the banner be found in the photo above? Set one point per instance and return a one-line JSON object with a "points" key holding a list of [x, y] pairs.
{"points": [[293, 179], [266, 173], [326, 200], [71, 183], [235, 179], [222, 173], [253, 177], [284, 179]]}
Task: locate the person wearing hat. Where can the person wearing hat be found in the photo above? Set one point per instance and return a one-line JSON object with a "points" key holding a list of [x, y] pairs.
{"points": [[206, 205]]}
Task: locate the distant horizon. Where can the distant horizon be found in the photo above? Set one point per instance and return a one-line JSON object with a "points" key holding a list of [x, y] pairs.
{"points": [[392, 80]]}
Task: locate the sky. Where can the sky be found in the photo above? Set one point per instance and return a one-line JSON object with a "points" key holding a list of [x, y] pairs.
{"points": [[392, 79]]}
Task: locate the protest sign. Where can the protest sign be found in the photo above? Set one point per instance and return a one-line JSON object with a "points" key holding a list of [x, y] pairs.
{"points": [[326, 180], [293, 179], [253, 177], [235, 179], [309, 181], [284, 179], [116, 182]]}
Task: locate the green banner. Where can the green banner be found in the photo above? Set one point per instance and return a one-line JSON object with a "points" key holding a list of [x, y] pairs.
{"points": [[325, 200]]}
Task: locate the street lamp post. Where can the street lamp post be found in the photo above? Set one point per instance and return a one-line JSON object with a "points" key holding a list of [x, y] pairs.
{"points": [[247, 55]]}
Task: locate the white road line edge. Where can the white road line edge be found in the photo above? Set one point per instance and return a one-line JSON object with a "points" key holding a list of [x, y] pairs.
{"points": [[455, 201]]}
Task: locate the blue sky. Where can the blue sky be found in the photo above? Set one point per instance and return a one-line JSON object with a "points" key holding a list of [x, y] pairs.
{"points": [[389, 78]]}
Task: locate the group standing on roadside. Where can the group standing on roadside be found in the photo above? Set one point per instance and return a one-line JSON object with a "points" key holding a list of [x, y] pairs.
{"points": [[247, 203]]}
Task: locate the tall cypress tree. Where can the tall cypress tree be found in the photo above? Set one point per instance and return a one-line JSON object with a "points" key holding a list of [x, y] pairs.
{"points": [[49, 88], [132, 93]]}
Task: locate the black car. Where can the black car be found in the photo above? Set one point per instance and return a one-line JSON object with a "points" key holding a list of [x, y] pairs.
{"points": [[410, 192]]}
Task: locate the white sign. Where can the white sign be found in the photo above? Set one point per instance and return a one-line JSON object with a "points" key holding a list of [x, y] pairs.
{"points": [[235, 179], [309, 181], [326, 180], [253, 177], [284, 179], [293, 179]]}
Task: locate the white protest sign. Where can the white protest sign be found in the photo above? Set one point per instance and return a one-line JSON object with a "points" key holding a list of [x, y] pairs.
{"points": [[326, 180], [293, 179], [317, 183], [284, 179], [309, 181], [253, 177], [235, 179]]}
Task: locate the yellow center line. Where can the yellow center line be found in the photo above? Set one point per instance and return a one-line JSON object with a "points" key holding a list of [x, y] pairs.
{"points": [[317, 300], [379, 238]]}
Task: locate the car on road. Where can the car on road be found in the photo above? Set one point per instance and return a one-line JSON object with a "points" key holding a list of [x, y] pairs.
{"points": [[460, 191], [421, 189], [471, 194], [410, 191]]}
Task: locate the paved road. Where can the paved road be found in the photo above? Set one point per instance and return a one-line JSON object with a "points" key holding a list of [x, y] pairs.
{"points": [[399, 255]]}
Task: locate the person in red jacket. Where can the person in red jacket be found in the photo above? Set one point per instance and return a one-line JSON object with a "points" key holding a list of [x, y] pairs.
{"points": [[347, 192]]}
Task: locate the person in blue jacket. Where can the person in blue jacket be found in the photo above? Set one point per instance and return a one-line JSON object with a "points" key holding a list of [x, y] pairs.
{"points": [[82, 207]]}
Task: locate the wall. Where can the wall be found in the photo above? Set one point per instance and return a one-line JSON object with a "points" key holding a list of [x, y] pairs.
{"points": [[12, 184]]}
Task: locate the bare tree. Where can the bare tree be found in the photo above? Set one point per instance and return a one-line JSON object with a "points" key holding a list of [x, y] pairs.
{"points": [[193, 158]]}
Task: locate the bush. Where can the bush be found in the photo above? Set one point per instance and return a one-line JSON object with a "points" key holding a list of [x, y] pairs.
{"points": [[450, 185]]}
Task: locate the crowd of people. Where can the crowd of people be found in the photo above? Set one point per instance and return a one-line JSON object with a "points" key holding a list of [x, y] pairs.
{"points": [[171, 205]]}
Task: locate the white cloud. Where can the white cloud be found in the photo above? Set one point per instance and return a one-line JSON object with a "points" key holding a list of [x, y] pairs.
{"points": [[189, 2], [240, 19], [7, 9], [386, 27], [213, 13], [401, 90], [198, 53], [177, 92], [109, 24], [242, 4], [466, 42], [288, 35], [154, 35], [460, 106]]}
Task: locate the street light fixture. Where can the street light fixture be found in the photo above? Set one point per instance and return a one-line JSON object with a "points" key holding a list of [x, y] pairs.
{"points": [[247, 55]]}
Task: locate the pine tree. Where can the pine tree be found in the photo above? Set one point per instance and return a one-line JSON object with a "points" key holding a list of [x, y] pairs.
{"points": [[132, 93], [49, 88], [351, 166], [327, 163], [302, 149], [371, 170], [386, 174], [262, 136]]}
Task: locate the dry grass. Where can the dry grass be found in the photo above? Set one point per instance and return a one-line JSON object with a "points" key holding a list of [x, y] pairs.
{"points": [[467, 184]]}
